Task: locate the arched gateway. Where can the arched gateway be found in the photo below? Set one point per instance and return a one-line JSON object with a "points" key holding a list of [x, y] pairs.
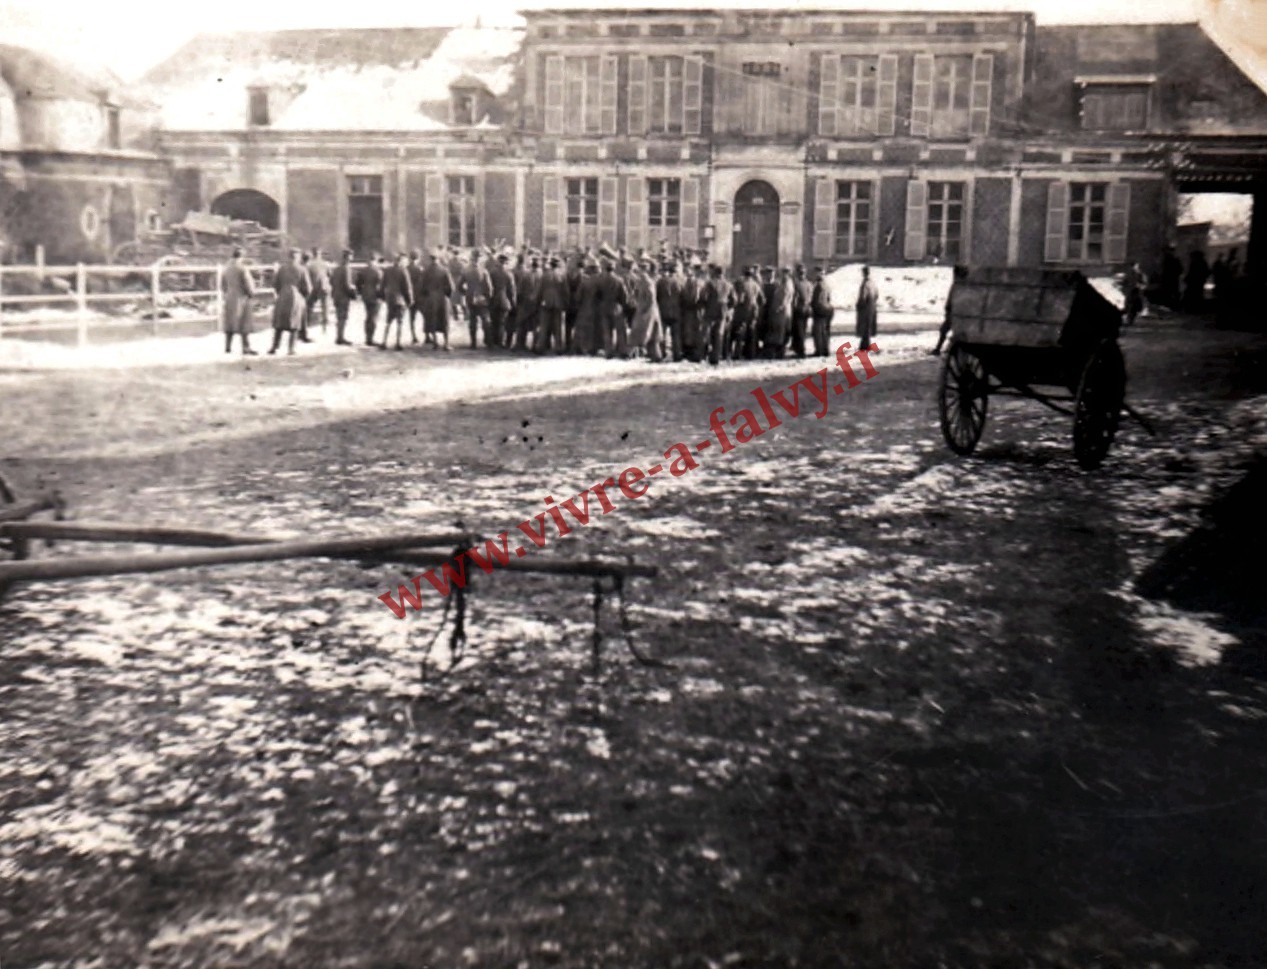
{"points": [[756, 237]]}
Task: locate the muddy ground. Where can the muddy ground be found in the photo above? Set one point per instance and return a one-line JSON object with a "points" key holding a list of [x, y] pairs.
{"points": [[922, 712]]}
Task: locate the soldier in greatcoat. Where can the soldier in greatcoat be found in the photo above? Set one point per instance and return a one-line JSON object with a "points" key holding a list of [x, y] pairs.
{"points": [[414, 269], [437, 288], [694, 330], [646, 332], [868, 298], [613, 297], [823, 311], [291, 284], [749, 305], [503, 303], [668, 295], [588, 336], [802, 299], [719, 303], [553, 301], [528, 302], [237, 289], [477, 292]]}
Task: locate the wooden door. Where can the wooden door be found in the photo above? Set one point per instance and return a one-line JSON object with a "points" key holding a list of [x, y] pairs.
{"points": [[756, 238]]}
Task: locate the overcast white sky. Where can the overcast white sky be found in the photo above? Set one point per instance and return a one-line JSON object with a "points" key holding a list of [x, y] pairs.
{"points": [[130, 36]]}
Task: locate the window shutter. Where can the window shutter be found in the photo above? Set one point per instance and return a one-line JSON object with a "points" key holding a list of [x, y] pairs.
{"points": [[916, 220], [688, 236], [824, 218], [829, 95], [551, 211], [637, 95], [635, 212], [433, 210], [886, 95], [922, 97], [979, 112], [1057, 221], [608, 186], [1116, 224], [608, 85], [554, 95], [692, 95]]}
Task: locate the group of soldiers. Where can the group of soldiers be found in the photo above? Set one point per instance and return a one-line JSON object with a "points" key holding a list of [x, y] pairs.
{"points": [[672, 305]]}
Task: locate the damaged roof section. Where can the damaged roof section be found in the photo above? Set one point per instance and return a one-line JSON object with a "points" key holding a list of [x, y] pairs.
{"points": [[336, 80]]}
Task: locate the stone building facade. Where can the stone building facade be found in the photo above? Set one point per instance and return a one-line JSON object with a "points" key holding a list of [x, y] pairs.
{"points": [[78, 174], [766, 136]]}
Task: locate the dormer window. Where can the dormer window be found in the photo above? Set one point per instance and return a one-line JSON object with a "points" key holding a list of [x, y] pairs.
{"points": [[468, 100], [464, 107], [258, 107], [114, 128], [1116, 104]]}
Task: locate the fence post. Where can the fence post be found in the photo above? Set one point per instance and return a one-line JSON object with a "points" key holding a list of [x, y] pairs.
{"points": [[155, 289], [81, 297], [218, 302]]}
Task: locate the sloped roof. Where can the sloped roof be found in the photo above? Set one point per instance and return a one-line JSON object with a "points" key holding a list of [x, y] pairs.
{"points": [[330, 80], [32, 74]]}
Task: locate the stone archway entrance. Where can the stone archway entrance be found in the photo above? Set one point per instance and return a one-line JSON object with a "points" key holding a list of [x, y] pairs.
{"points": [[756, 232], [247, 203]]}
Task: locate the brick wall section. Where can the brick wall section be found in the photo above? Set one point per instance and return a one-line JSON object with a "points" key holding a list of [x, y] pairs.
{"points": [[991, 201], [1033, 231], [310, 217], [415, 211], [892, 220]]}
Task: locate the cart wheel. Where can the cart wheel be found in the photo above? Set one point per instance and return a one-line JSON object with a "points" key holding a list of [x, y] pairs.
{"points": [[964, 398], [1098, 405], [11, 548]]}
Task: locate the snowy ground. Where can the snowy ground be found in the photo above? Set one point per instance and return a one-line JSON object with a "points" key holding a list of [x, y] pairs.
{"points": [[920, 715]]}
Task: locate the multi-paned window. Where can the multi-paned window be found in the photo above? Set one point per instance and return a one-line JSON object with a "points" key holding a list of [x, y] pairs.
{"points": [[944, 239], [1114, 107], [581, 96], [853, 218], [856, 111], [664, 94], [461, 206], [762, 103], [664, 207], [1087, 210], [952, 95], [581, 211]]}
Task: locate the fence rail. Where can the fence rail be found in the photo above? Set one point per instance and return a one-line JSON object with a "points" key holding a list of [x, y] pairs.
{"points": [[158, 286]]}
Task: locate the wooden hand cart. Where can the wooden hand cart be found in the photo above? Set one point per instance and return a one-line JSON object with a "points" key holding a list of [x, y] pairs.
{"points": [[1017, 329]]}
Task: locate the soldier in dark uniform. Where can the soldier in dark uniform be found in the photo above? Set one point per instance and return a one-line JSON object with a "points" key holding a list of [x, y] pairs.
{"points": [[343, 290], [291, 285], [503, 302], [694, 332], [398, 294], [719, 301], [370, 286], [823, 311], [477, 292], [749, 303], [613, 297], [528, 288], [668, 294], [553, 303], [319, 276], [588, 336], [437, 288], [574, 274], [802, 299], [414, 271]]}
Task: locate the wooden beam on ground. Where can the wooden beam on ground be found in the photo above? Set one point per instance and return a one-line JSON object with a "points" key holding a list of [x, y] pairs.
{"points": [[99, 565], [584, 567], [139, 534], [19, 510]]}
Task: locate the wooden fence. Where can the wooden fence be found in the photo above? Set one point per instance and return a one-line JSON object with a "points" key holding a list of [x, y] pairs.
{"points": [[154, 289]]}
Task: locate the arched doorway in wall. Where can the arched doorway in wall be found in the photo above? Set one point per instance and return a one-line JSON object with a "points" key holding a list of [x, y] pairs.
{"points": [[247, 203], [756, 225]]}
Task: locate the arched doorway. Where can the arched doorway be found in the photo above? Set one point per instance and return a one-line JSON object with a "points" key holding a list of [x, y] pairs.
{"points": [[756, 225], [247, 203]]}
